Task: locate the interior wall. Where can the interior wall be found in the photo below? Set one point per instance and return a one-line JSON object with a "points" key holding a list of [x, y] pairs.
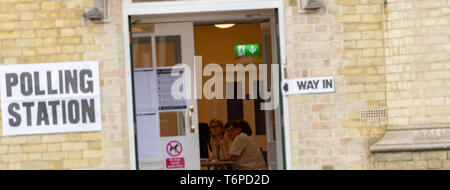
{"points": [[217, 46]]}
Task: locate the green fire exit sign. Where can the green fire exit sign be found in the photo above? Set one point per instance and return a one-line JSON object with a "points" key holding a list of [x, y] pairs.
{"points": [[246, 50]]}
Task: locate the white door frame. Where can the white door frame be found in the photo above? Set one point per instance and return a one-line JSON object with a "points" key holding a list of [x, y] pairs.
{"points": [[198, 6]]}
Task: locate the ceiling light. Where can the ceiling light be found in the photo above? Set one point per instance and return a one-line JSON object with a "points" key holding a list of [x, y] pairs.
{"points": [[224, 26]]}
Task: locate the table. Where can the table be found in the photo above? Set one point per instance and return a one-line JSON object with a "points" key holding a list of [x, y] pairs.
{"points": [[217, 164]]}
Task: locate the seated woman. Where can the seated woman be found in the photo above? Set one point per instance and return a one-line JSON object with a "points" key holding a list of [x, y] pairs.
{"points": [[243, 150], [217, 134]]}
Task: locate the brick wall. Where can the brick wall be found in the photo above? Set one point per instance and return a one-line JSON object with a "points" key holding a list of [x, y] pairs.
{"points": [[417, 40], [45, 31], [364, 72], [343, 40], [418, 62], [412, 160], [393, 57]]}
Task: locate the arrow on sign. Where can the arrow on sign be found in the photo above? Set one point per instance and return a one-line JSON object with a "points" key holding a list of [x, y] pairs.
{"points": [[252, 49], [286, 87]]}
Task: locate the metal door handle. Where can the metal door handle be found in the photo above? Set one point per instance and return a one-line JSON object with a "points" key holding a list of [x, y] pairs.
{"points": [[191, 109]]}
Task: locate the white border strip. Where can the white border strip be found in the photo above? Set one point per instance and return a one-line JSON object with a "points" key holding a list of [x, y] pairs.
{"points": [[170, 7], [126, 41], [286, 112]]}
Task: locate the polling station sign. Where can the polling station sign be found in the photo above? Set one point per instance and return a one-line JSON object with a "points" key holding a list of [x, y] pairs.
{"points": [[308, 85], [50, 98]]}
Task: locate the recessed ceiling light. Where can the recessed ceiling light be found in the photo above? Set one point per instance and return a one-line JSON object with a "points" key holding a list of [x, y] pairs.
{"points": [[224, 26]]}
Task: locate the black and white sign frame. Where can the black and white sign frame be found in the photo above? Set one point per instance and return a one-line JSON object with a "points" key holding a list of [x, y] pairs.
{"points": [[315, 85]]}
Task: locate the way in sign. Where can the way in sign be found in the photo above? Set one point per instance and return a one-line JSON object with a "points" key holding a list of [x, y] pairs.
{"points": [[308, 85], [314, 84]]}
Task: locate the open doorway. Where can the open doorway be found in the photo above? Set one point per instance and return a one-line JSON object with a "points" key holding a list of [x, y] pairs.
{"points": [[157, 44], [221, 51]]}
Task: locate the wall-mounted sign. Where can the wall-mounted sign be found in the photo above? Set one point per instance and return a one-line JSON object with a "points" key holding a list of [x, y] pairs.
{"points": [[308, 85], [50, 98], [174, 157], [246, 50]]}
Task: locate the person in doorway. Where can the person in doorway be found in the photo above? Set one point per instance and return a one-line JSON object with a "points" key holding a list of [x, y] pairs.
{"points": [[243, 150], [217, 131]]}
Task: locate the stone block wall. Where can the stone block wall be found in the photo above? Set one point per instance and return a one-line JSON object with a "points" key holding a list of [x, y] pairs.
{"points": [[392, 56], [422, 160], [344, 39], [418, 62], [417, 41], [46, 31]]}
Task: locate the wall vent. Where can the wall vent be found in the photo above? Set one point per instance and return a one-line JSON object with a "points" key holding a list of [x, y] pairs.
{"points": [[373, 113]]}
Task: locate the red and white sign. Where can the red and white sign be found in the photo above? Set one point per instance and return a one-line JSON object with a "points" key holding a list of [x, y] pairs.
{"points": [[174, 154], [175, 163], [174, 148]]}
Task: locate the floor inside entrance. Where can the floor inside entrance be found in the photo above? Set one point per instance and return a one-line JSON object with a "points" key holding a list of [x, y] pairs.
{"points": [[217, 46]]}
